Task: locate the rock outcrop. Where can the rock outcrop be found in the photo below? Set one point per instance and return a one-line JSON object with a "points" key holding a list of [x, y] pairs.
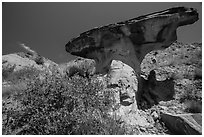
{"points": [[118, 49], [185, 124], [123, 80], [131, 40]]}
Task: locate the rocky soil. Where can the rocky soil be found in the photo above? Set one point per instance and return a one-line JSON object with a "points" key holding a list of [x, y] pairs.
{"points": [[183, 63]]}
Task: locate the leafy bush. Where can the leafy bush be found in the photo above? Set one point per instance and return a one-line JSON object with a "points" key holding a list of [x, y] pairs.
{"points": [[76, 70], [59, 105]]}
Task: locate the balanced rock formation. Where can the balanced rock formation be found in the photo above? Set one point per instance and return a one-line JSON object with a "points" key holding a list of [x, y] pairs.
{"points": [[131, 40], [128, 42]]}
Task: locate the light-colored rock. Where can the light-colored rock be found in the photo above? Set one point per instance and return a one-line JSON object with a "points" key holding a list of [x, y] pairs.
{"points": [[154, 115], [123, 76], [185, 124], [122, 79]]}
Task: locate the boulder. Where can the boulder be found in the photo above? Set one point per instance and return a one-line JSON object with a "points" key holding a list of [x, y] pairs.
{"points": [[184, 124], [121, 78]]}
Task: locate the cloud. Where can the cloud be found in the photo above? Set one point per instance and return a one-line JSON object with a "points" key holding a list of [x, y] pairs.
{"points": [[28, 49]]}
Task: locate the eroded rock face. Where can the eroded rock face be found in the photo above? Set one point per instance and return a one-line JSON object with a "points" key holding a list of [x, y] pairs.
{"points": [[131, 40], [184, 124], [122, 79], [118, 50]]}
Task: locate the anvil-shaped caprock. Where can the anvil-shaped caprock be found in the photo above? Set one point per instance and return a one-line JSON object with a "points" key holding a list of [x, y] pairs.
{"points": [[129, 41]]}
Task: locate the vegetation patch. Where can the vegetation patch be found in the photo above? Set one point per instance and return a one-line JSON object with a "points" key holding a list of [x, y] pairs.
{"points": [[60, 106]]}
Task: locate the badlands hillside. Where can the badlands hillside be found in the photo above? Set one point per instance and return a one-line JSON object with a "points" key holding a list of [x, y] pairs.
{"points": [[26, 100], [131, 77]]}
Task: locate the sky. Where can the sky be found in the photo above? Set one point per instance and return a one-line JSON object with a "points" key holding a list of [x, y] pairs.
{"points": [[47, 27]]}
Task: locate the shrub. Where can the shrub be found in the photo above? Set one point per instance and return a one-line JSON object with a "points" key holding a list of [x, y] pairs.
{"points": [[59, 105], [76, 70], [39, 60]]}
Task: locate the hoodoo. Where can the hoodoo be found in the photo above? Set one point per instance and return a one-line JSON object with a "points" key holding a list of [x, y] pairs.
{"points": [[121, 47], [129, 41]]}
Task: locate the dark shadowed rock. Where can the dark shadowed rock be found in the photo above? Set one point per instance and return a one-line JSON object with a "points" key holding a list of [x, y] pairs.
{"points": [[154, 91], [184, 124]]}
